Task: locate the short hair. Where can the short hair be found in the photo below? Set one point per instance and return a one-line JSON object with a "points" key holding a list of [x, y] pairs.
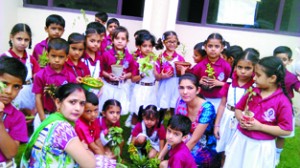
{"points": [[14, 67], [58, 44], [102, 16], [55, 19], [92, 98], [180, 123], [113, 20], [97, 26], [283, 49]]}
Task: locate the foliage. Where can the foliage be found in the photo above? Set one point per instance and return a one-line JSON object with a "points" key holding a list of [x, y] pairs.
{"points": [[142, 161], [210, 71], [50, 90], [85, 19], [43, 60], [251, 94], [93, 82], [145, 64], [120, 56], [115, 134]]}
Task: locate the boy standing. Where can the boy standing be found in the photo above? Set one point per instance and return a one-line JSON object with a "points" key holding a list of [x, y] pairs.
{"points": [[55, 27], [177, 132], [53, 75], [13, 129], [291, 83]]}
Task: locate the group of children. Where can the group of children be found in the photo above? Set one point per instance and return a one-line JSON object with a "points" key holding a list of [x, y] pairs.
{"points": [[233, 80]]}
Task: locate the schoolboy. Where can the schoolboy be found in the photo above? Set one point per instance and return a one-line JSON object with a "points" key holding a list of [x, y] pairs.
{"points": [[101, 17], [55, 27], [291, 83], [54, 74], [88, 127], [13, 129], [177, 132], [106, 43]]}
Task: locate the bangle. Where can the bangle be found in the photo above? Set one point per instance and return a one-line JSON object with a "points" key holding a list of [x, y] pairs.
{"points": [[216, 125]]}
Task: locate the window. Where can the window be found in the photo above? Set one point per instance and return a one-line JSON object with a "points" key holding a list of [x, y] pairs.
{"points": [[130, 8], [268, 15]]}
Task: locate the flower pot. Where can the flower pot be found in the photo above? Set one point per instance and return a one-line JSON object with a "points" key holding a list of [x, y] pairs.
{"points": [[248, 116], [92, 84], [206, 87], [117, 70], [184, 64]]}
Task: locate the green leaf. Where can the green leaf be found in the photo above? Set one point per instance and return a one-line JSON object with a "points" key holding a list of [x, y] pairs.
{"points": [[2, 86]]}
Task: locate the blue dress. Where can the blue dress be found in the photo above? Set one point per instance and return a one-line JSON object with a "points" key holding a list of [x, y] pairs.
{"points": [[204, 152]]}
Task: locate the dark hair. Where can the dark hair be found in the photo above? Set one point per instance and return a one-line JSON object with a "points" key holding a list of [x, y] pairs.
{"points": [[144, 37], [250, 54], [199, 48], [149, 112], [97, 26], [283, 49], [180, 123], [159, 43], [274, 66], [111, 102], [75, 38], [55, 19], [193, 78], [63, 91], [90, 31], [102, 16], [92, 98], [58, 44], [113, 20], [234, 51], [118, 30], [141, 31], [14, 67], [215, 36], [21, 27], [253, 51]]}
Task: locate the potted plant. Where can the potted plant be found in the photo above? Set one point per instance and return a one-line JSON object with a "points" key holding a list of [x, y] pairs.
{"points": [[145, 64], [210, 74], [43, 60], [117, 69], [92, 84], [247, 114], [142, 161]]}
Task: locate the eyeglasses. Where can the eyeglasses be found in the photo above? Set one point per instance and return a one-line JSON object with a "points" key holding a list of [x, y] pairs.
{"points": [[171, 42]]}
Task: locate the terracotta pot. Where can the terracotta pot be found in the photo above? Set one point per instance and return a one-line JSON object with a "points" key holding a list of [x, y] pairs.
{"points": [[185, 64]]}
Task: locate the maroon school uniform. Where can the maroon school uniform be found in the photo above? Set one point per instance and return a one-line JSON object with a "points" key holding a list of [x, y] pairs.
{"points": [[81, 69]]}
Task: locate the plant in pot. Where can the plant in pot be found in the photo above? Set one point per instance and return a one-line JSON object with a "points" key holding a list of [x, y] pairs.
{"points": [[210, 74], [247, 114], [43, 60], [117, 69], [140, 160], [92, 84], [145, 64]]}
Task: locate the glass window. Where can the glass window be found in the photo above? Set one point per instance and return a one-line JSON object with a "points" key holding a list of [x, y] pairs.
{"points": [[129, 7], [291, 17], [250, 14], [190, 11]]}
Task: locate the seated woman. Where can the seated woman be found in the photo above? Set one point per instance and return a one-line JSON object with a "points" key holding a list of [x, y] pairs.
{"points": [[55, 142], [201, 140]]}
